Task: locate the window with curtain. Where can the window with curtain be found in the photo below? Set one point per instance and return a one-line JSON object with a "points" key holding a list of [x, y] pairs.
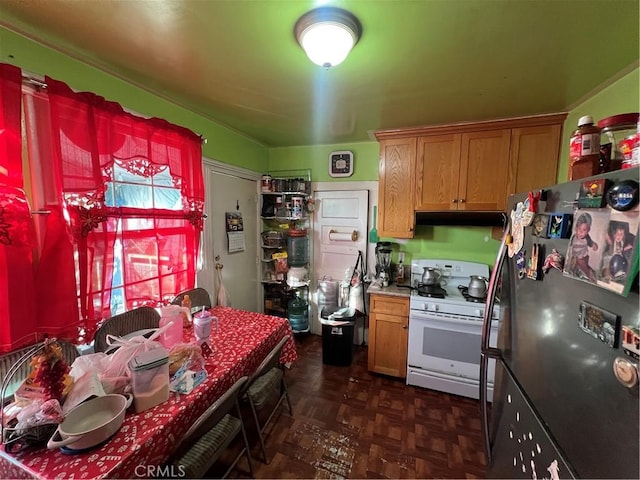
{"points": [[125, 198], [17, 306]]}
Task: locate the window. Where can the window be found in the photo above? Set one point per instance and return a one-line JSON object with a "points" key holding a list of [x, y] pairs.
{"points": [[124, 197], [132, 190]]}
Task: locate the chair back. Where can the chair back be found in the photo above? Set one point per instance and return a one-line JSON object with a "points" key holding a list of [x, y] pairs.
{"points": [[272, 360], [137, 319], [213, 414], [199, 298]]}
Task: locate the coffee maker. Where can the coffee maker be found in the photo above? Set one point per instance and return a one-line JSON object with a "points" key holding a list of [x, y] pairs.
{"points": [[383, 262]]}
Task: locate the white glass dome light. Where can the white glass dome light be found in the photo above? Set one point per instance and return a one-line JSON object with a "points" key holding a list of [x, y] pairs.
{"points": [[327, 35]]}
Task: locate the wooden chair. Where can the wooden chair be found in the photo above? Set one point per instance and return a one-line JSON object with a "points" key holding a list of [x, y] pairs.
{"points": [[137, 319], [210, 435], [265, 383], [199, 298]]}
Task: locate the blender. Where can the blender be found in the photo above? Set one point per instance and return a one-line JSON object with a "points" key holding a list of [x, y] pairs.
{"points": [[379, 262], [384, 262]]}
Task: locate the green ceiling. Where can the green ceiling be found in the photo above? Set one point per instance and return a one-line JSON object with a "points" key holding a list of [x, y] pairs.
{"points": [[419, 62]]}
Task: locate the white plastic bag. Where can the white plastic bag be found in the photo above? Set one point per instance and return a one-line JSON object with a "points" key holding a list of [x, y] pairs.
{"points": [[356, 298]]}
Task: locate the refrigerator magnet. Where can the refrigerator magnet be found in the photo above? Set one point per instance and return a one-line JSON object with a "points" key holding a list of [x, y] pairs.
{"points": [[591, 194], [623, 195], [599, 323], [540, 225], [553, 260], [631, 341], [560, 225]]}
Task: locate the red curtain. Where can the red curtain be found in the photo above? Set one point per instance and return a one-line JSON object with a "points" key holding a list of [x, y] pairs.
{"points": [[17, 303], [89, 135]]}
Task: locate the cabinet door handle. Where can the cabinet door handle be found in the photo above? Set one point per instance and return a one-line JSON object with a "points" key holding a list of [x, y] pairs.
{"points": [[462, 200], [405, 326], [455, 200]]}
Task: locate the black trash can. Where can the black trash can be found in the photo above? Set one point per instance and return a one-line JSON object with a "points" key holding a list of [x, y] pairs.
{"points": [[337, 335]]}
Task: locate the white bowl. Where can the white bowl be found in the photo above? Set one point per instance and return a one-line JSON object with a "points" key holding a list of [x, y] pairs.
{"points": [[91, 423]]}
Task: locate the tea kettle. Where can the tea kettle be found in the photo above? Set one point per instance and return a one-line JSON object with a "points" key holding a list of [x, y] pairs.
{"points": [[477, 286], [431, 276]]}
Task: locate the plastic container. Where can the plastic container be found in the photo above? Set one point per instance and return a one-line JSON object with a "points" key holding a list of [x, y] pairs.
{"points": [[297, 204], [584, 149], [298, 248], [202, 325], [620, 133], [150, 379], [297, 277], [298, 313], [273, 239], [173, 334]]}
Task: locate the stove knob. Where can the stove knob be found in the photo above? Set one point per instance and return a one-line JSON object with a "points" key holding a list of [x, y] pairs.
{"points": [[436, 307], [479, 313]]}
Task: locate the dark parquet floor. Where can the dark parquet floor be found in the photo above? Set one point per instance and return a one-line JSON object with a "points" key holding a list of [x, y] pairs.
{"points": [[350, 423]]}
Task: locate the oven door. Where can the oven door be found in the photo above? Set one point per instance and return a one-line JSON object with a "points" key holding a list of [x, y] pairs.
{"points": [[446, 345]]}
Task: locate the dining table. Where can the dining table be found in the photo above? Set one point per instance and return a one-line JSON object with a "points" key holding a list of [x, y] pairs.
{"points": [[147, 439]]}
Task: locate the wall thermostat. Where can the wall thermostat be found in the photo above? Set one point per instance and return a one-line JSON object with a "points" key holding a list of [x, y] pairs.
{"points": [[341, 163]]}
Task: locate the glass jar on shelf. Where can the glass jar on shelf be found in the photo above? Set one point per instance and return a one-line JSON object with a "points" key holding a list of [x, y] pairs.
{"points": [[618, 138], [298, 247]]}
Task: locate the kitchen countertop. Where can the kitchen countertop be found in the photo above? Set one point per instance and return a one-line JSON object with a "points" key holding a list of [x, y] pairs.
{"points": [[392, 289]]}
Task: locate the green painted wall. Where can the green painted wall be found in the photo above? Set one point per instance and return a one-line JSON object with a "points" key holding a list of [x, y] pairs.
{"points": [[316, 159], [622, 96], [222, 144]]}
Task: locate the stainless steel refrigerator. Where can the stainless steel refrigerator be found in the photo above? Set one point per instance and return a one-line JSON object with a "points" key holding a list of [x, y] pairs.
{"points": [[559, 410]]}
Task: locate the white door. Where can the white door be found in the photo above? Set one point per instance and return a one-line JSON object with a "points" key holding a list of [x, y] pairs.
{"points": [[230, 191], [339, 233]]}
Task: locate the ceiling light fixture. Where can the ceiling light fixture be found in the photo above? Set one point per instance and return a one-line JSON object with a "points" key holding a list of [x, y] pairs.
{"points": [[327, 35]]}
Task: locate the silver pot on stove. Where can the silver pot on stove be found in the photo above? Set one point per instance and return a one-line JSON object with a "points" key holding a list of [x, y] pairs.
{"points": [[478, 286], [431, 276]]}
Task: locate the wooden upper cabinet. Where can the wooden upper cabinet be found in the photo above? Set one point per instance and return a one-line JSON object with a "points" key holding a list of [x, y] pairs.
{"points": [[534, 152], [396, 188], [463, 167], [437, 172], [484, 170], [463, 171]]}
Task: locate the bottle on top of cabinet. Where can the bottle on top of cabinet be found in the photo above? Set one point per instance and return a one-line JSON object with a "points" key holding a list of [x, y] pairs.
{"points": [[584, 149]]}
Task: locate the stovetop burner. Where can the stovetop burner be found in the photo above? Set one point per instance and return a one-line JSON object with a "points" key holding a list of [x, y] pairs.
{"points": [[465, 293], [434, 291]]}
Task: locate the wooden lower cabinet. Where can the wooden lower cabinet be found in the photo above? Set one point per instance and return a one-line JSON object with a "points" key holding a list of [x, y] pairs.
{"points": [[388, 335]]}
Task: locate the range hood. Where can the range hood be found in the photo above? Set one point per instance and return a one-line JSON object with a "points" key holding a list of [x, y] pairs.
{"points": [[469, 219]]}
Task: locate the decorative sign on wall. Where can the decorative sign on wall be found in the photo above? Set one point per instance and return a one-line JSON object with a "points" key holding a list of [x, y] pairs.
{"points": [[235, 232]]}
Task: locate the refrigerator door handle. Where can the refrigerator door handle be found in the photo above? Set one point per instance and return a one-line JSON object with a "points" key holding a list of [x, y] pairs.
{"points": [[487, 352]]}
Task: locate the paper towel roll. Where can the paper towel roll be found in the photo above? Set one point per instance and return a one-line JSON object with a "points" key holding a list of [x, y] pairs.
{"points": [[343, 237]]}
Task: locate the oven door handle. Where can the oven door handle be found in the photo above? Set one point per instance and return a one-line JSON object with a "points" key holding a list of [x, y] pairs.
{"points": [[425, 317]]}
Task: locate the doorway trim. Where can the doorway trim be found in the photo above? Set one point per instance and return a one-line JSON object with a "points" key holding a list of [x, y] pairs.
{"points": [[207, 247]]}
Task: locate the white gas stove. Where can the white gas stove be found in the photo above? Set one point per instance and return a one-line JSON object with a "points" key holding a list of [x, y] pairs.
{"points": [[445, 327], [450, 297]]}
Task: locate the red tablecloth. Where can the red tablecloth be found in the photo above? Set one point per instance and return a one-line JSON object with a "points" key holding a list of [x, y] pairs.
{"points": [[147, 439]]}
